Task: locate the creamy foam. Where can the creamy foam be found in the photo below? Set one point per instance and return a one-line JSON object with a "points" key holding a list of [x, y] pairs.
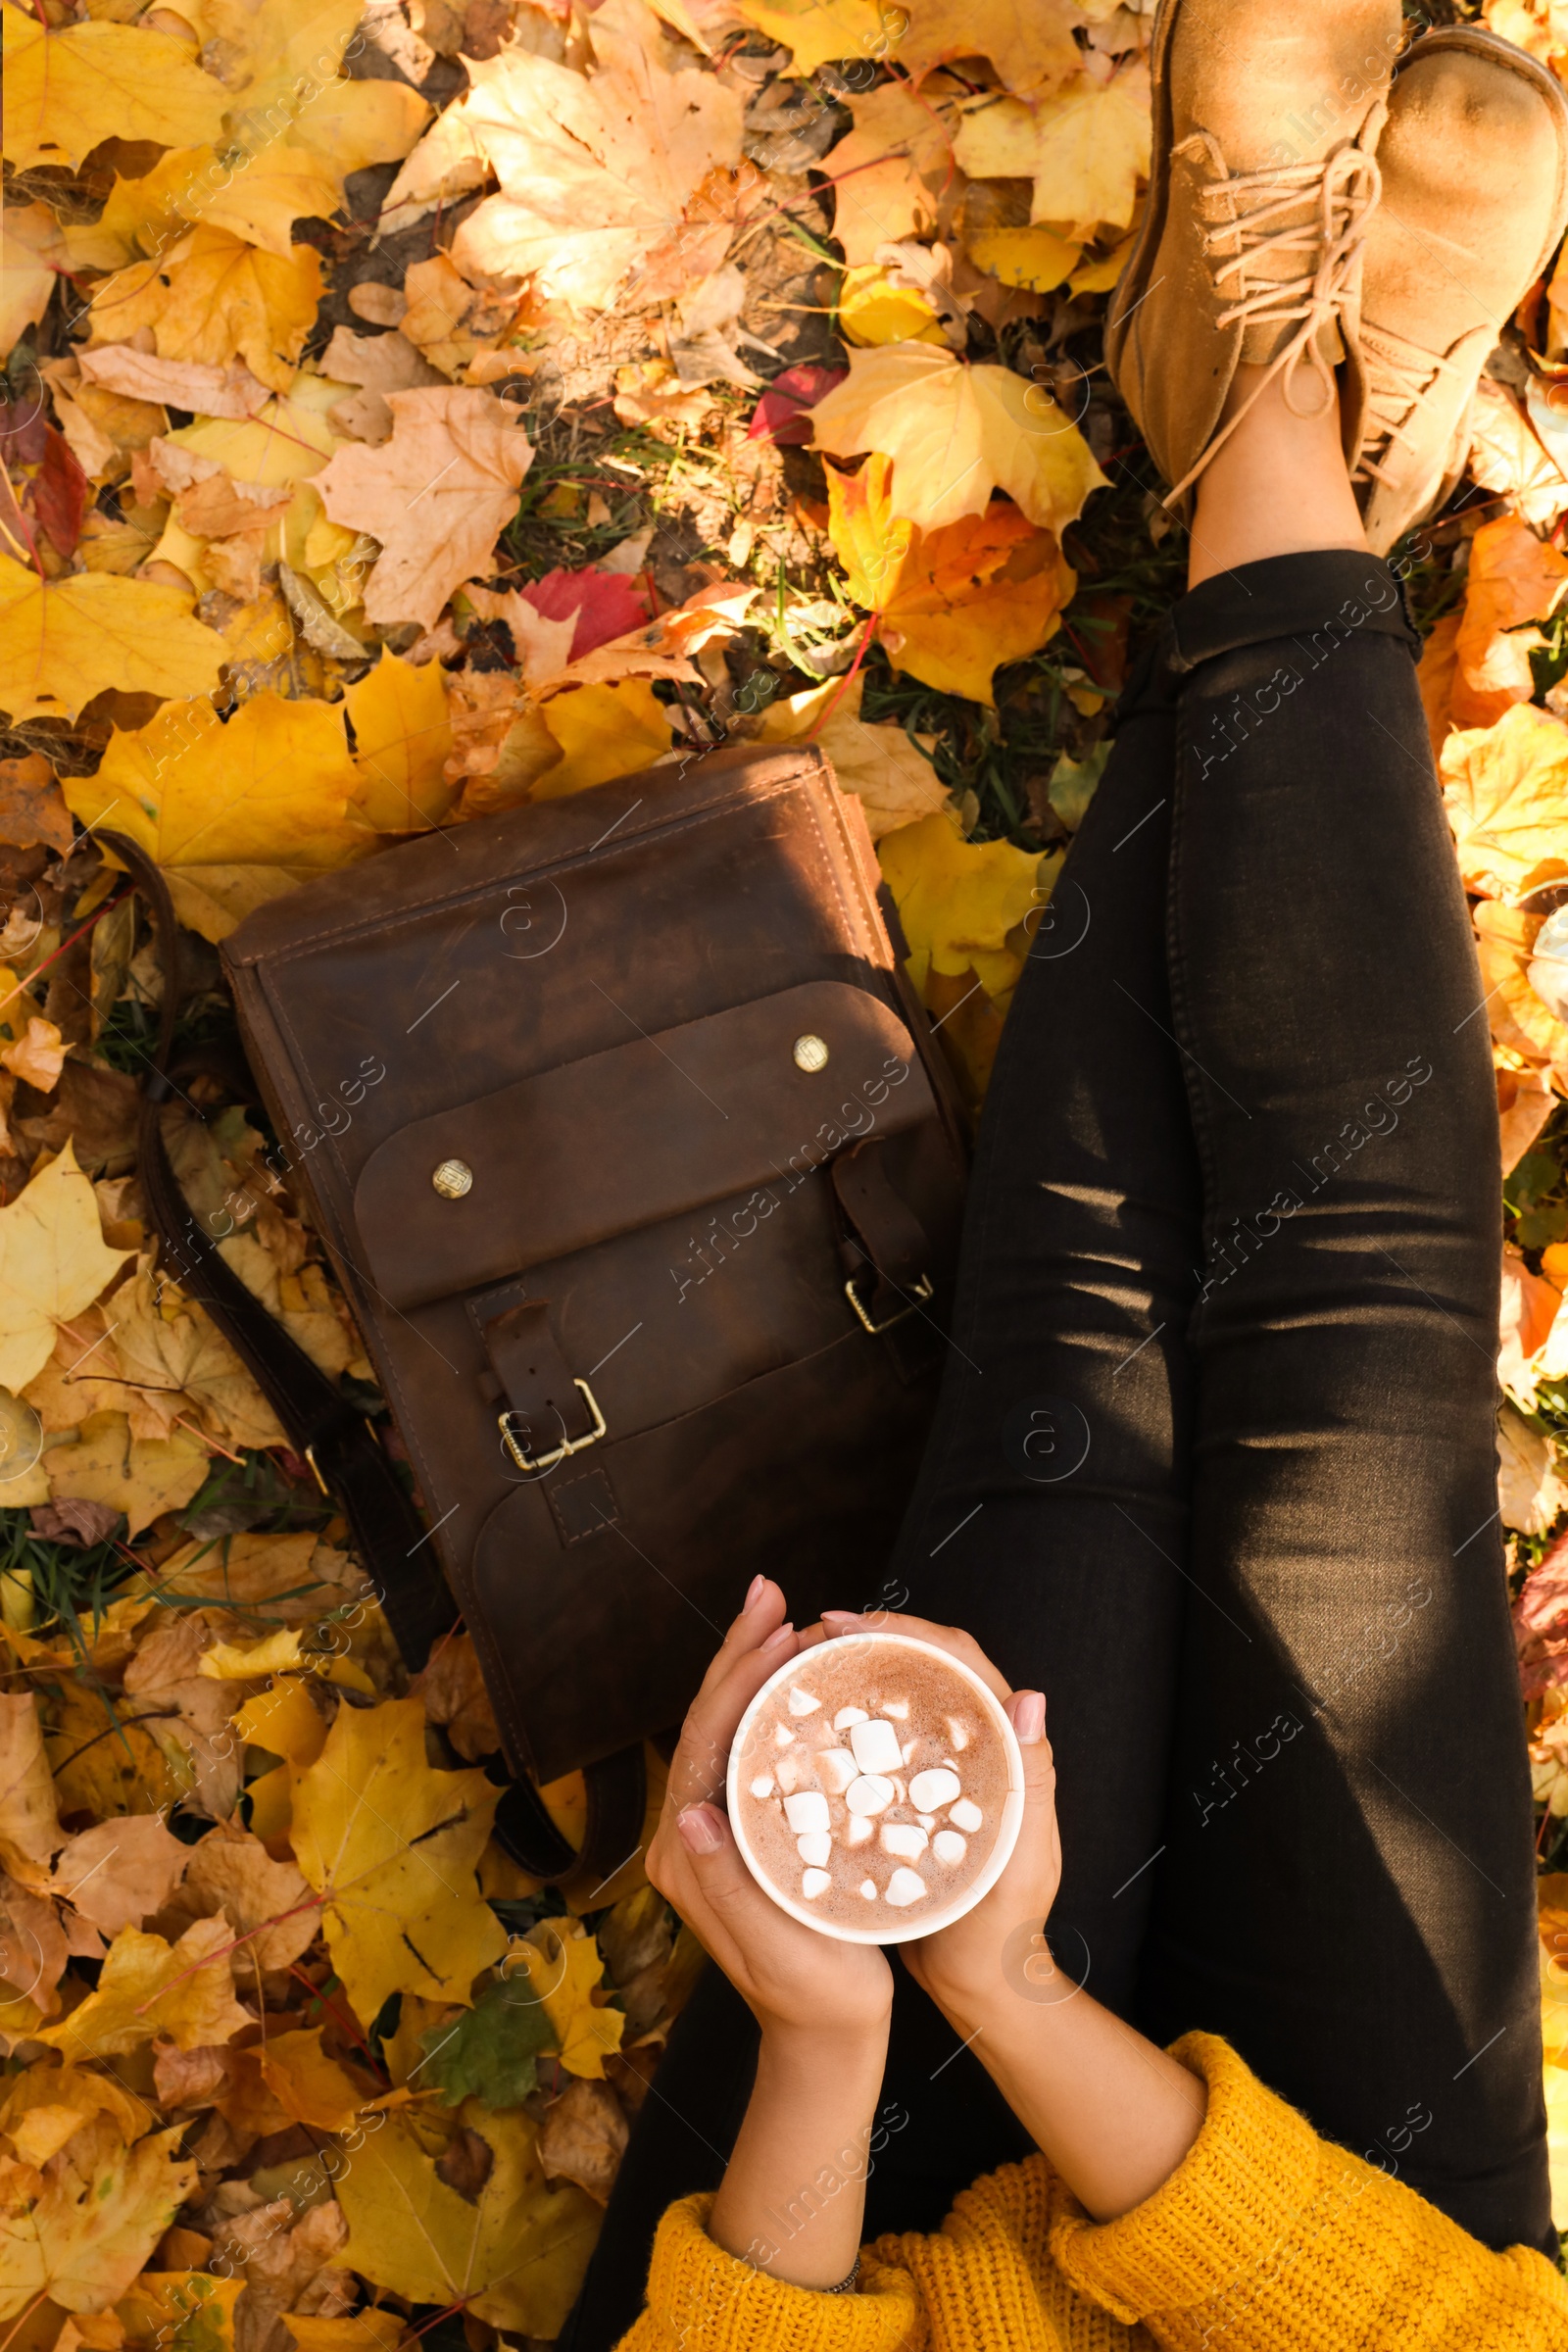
{"points": [[871, 1784]]}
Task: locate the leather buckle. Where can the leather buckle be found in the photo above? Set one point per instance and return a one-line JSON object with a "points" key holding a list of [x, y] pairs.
{"points": [[536, 1464], [921, 1292]]}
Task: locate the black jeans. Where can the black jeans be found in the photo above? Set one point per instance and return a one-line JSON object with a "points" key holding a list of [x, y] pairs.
{"points": [[1214, 1463]]}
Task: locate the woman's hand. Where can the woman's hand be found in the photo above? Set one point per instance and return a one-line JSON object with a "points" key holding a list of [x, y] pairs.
{"points": [[961, 1967], [795, 1981]]}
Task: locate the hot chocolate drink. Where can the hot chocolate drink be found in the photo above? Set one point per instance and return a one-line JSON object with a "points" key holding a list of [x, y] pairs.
{"points": [[875, 1788]]}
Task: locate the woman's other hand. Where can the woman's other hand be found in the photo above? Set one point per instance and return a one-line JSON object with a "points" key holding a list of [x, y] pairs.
{"points": [[795, 1981]]}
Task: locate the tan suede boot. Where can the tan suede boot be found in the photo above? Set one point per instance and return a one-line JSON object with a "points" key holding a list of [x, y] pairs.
{"points": [[1475, 199], [1267, 114]]}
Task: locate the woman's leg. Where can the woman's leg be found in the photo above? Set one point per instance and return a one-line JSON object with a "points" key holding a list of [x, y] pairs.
{"points": [[1346, 1888], [1079, 1271]]}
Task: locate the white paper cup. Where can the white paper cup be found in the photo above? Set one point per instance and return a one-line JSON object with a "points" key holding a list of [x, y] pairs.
{"points": [[929, 1921]]}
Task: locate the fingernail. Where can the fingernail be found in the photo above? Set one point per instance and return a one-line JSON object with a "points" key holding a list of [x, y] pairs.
{"points": [[697, 1831], [753, 1594], [777, 1640], [841, 1617], [1029, 1717]]}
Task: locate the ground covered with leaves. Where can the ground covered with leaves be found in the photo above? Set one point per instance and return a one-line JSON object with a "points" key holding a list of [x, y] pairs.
{"points": [[413, 411]]}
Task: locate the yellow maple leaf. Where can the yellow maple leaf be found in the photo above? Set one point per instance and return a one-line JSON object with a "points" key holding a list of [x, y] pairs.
{"points": [[68, 91], [30, 241], [143, 1477], [1505, 788], [1029, 41], [515, 2256], [29, 1827], [561, 1970], [309, 2086], [1036, 259], [873, 310], [181, 2310], [53, 1263], [103, 2208], [212, 297], [402, 742], [258, 200], [1085, 148], [894, 172], [393, 1846], [888, 774], [818, 32], [234, 813], [957, 899], [953, 605], [282, 66], [64, 641], [616, 174], [180, 1364], [953, 434], [148, 1987], [602, 731]]}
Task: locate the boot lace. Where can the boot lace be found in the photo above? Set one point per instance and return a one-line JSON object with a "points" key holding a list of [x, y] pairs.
{"points": [[1317, 213], [1400, 379]]}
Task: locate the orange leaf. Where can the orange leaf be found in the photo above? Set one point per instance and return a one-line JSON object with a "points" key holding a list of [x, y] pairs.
{"points": [[1514, 577], [871, 541]]}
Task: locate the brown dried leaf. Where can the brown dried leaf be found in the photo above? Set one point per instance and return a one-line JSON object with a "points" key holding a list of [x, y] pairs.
{"points": [[583, 2138]]}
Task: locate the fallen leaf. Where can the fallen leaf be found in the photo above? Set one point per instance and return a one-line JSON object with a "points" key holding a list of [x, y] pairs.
{"points": [[1505, 788], [67, 92], [958, 899], [1086, 148], [174, 1365], [179, 2311], [102, 2209], [402, 742], [783, 414], [307, 2083], [62, 642], [32, 253], [265, 1901], [605, 604], [233, 814], [105, 1762], [149, 1986], [890, 776], [457, 458], [393, 1846], [212, 392], [29, 1829], [602, 174], [955, 432], [1513, 578], [120, 1872], [143, 1477], [452, 1690], [516, 2258], [1508, 456], [36, 1052], [583, 2139], [377, 364], [213, 298], [818, 32], [295, 1578], [1437, 675], [603, 731], [53, 1263], [561, 1962], [1030, 42], [489, 2051], [32, 807], [1531, 1493]]}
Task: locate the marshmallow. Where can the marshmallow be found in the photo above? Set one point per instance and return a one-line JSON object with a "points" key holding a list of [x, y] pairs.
{"points": [[763, 1786], [871, 1793], [903, 1840], [876, 1746], [856, 1830], [837, 1767], [907, 1751], [817, 1848], [808, 1811], [814, 1882], [927, 1821], [949, 1847], [783, 1737], [898, 1708], [965, 1815], [958, 1733], [790, 1770], [848, 1715], [930, 1791], [802, 1702], [869, 1889], [906, 1887]]}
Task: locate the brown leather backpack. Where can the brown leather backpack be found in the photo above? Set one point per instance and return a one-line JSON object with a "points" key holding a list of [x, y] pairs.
{"points": [[641, 1171]]}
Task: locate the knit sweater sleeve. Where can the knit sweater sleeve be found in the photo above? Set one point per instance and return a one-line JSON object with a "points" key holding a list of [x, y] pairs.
{"points": [[1266, 2238], [701, 2299]]}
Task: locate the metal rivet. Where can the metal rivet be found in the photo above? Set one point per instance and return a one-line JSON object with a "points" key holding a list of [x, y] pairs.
{"points": [[810, 1053], [453, 1178]]}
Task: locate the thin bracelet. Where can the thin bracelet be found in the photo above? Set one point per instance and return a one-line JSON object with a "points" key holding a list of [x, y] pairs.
{"points": [[844, 2286]]}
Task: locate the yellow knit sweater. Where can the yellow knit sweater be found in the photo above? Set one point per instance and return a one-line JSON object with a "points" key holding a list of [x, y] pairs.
{"points": [[1265, 2238]]}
